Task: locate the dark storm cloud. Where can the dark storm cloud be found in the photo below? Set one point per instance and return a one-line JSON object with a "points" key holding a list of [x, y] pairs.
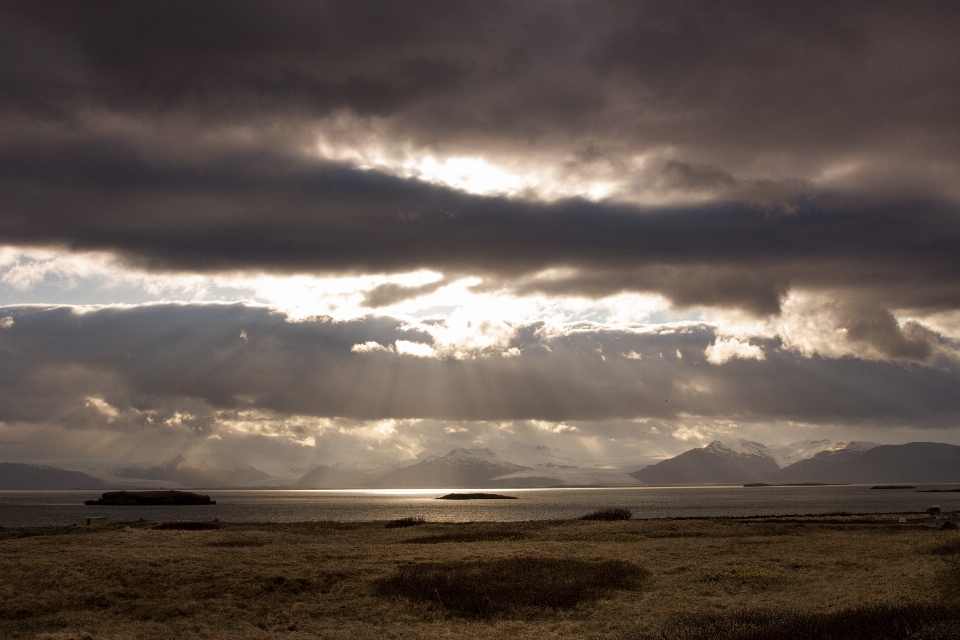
{"points": [[173, 133], [390, 293], [280, 213], [165, 358], [724, 80]]}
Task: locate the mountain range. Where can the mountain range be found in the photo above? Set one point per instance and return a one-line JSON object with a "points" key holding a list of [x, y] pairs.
{"points": [[16, 477], [521, 465], [179, 471], [518, 466], [912, 462], [808, 461], [456, 469]]}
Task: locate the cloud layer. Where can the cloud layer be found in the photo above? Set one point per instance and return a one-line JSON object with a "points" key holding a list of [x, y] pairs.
{"points": [[250, 212], [732, 85], [237, 358], [510, 187]]}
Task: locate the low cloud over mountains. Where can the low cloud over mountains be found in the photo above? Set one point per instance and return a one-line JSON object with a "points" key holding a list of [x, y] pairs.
{"points": [[121, 369]]}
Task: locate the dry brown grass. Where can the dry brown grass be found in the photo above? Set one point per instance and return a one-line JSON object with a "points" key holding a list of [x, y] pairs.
{"points": [[312, 580]]}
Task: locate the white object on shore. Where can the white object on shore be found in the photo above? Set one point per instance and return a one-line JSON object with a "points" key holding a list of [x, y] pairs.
{"points": [[92, 522]]}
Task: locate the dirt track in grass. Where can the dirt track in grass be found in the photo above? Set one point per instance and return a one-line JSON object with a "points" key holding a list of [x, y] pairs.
{"points": [[325, 579]]}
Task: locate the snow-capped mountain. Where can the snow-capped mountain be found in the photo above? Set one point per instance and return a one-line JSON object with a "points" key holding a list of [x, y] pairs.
{"points": [[787, 454], [714, 464], [459, 468], [868, 462], [549, 467], [537, 456], [815, 461]]}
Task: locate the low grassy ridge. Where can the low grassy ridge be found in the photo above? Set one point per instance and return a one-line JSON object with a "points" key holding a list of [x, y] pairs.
{"points": [[810, 577]]}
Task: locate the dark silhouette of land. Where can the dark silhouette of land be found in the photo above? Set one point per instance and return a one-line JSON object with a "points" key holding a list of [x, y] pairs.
{"points": [[476, 496], [150, 498], [17, 477]]}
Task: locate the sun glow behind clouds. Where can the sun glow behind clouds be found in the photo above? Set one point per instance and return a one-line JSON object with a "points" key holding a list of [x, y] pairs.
{"points": [[542, 176], [464, 317]]}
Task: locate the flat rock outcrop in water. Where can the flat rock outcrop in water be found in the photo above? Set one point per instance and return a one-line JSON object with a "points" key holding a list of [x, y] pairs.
{"points": [[787, 484], [150, 498], [475, 496]]}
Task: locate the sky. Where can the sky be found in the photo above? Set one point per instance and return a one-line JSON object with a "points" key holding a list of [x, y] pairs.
{"points": [[303, 232]]}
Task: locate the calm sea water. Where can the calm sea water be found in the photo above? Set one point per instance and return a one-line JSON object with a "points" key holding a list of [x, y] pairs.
{"points": [[34, 508]]}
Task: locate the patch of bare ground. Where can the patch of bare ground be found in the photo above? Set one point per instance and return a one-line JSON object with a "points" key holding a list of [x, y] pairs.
{"points": [[332, 580]]}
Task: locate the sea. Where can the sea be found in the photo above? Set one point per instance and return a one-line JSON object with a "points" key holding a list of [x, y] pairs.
{"points": [[42, 508]]}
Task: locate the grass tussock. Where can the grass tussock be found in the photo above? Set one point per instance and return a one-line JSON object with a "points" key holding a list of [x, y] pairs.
{"points": [[869, 622], [609, 514], [186, 525], [948, 581], [509, 586], [478, 535], [238, 543], [283, 584], [948, 547], [410, 521], [739, 576]]}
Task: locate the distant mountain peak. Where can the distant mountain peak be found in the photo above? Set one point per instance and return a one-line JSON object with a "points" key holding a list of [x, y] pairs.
{"points": [[716, 463], [473, 452], [458, 468], [538, 456], [871, 463], [17, 476], [716, 445], [200, 474], [787, 454]]}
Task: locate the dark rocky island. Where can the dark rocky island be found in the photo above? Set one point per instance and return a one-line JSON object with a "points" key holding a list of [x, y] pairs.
{"points": [[150, 498], [475, 496]]}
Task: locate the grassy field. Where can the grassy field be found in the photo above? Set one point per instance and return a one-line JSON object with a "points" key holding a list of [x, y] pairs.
{"points": [[642, 579]]}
